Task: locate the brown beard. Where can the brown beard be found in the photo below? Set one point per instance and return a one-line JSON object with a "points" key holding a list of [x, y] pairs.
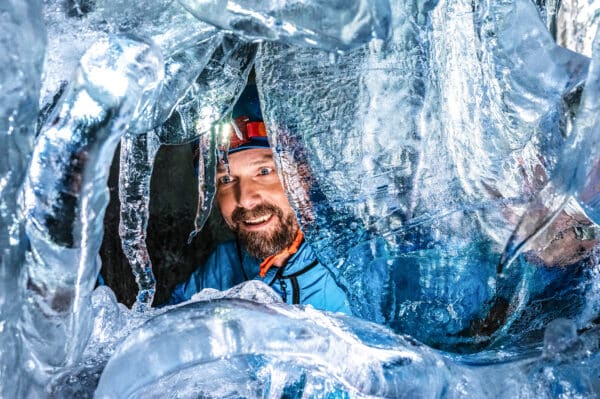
{"points": [[263, 244]]}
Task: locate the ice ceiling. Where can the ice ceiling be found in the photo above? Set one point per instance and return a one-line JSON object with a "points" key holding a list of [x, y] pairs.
{"points": [[442, 157]]}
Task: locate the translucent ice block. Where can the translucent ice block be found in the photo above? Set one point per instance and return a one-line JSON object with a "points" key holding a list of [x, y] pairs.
{"points": [[410, 160], [22, 45], [332, 25], [65, 197]]}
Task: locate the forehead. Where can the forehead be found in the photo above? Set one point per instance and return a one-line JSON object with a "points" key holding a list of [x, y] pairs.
{"points": [[247, 159]]}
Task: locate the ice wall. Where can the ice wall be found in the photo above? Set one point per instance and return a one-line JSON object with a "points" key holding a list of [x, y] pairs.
{"points": [[410, 160], [22, 42], [577, 24], [441, 157]]}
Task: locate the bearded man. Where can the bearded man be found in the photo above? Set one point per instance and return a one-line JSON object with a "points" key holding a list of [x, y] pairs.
{"points": [[269, 244]]}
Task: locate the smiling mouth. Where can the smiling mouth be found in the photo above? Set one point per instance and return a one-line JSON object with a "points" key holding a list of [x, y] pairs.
{"points": [[258, 220]]}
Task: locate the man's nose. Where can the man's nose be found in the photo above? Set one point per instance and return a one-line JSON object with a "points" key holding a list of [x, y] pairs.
{"points": [[248, 193]]}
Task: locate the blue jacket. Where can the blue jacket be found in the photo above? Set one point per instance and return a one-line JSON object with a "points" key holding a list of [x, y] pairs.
{"points": [[303, 280]]}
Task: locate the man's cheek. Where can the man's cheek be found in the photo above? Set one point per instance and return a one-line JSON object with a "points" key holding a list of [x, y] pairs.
{"points": [[229, 222]]}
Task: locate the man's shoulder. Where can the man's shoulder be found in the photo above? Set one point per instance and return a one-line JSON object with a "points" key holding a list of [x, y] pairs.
{"points": [[224, 250], [302, 258], [226, 245]]}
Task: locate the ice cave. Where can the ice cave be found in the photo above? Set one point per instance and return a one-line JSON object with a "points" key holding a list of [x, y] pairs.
{"points": [[439, 155]]}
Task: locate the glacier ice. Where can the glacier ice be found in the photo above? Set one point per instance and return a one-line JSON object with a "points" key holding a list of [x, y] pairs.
{"points": [[421, 144], [235, 331], [206, 100], [22, 45], [65, 196], [375, 360], [334, 25], [81, 23], [484, 105], [137, 154]]}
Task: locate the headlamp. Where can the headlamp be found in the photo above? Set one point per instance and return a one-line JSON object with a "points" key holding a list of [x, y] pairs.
{"points": [[245, 134]]}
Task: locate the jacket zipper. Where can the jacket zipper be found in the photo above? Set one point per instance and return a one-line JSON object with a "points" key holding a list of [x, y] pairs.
{"points": [[293, 278], [295, 291]]}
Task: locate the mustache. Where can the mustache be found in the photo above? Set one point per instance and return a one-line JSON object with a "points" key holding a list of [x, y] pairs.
{"points": [[240, 214]]}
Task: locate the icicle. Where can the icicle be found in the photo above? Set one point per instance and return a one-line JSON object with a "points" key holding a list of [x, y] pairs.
{"points": [[207, 167], [213, 93], [136, 164]]}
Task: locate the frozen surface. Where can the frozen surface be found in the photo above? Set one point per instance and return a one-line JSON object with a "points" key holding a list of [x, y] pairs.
{"points": [[248, 337], [442, 157], [135, 169], [333, 25], [80, 23], [577, 24], [22, 45], [232, 347], [422, 157]]}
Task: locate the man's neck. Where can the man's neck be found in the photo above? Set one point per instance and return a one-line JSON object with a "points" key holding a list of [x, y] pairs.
{"points": [[280, 259]]}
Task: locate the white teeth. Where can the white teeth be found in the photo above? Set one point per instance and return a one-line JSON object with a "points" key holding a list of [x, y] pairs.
{"points": [[258, 220]]}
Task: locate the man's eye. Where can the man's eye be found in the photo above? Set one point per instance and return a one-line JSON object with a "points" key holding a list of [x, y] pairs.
{"points": [[226, 179], [265, 171]]}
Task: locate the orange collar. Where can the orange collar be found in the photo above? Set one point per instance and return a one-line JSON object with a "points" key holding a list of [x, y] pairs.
{"points": [[282, 256]]}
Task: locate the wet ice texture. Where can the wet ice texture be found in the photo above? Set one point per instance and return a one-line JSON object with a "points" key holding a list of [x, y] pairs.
{"points": [[22, 42], [333, 25], [233, 348], [80, 23], [416, 154], [420, 153], [231, 340], [65, 197]]}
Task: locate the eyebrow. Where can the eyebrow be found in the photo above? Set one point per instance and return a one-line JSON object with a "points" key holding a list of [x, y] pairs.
{"points": [[256, 162]]}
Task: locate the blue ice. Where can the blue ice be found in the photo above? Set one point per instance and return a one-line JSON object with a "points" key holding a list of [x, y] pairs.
{"points": [[441, 156]]}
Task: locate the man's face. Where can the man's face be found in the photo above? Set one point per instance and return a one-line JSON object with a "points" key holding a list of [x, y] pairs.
{"points": [[253, 203]]}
